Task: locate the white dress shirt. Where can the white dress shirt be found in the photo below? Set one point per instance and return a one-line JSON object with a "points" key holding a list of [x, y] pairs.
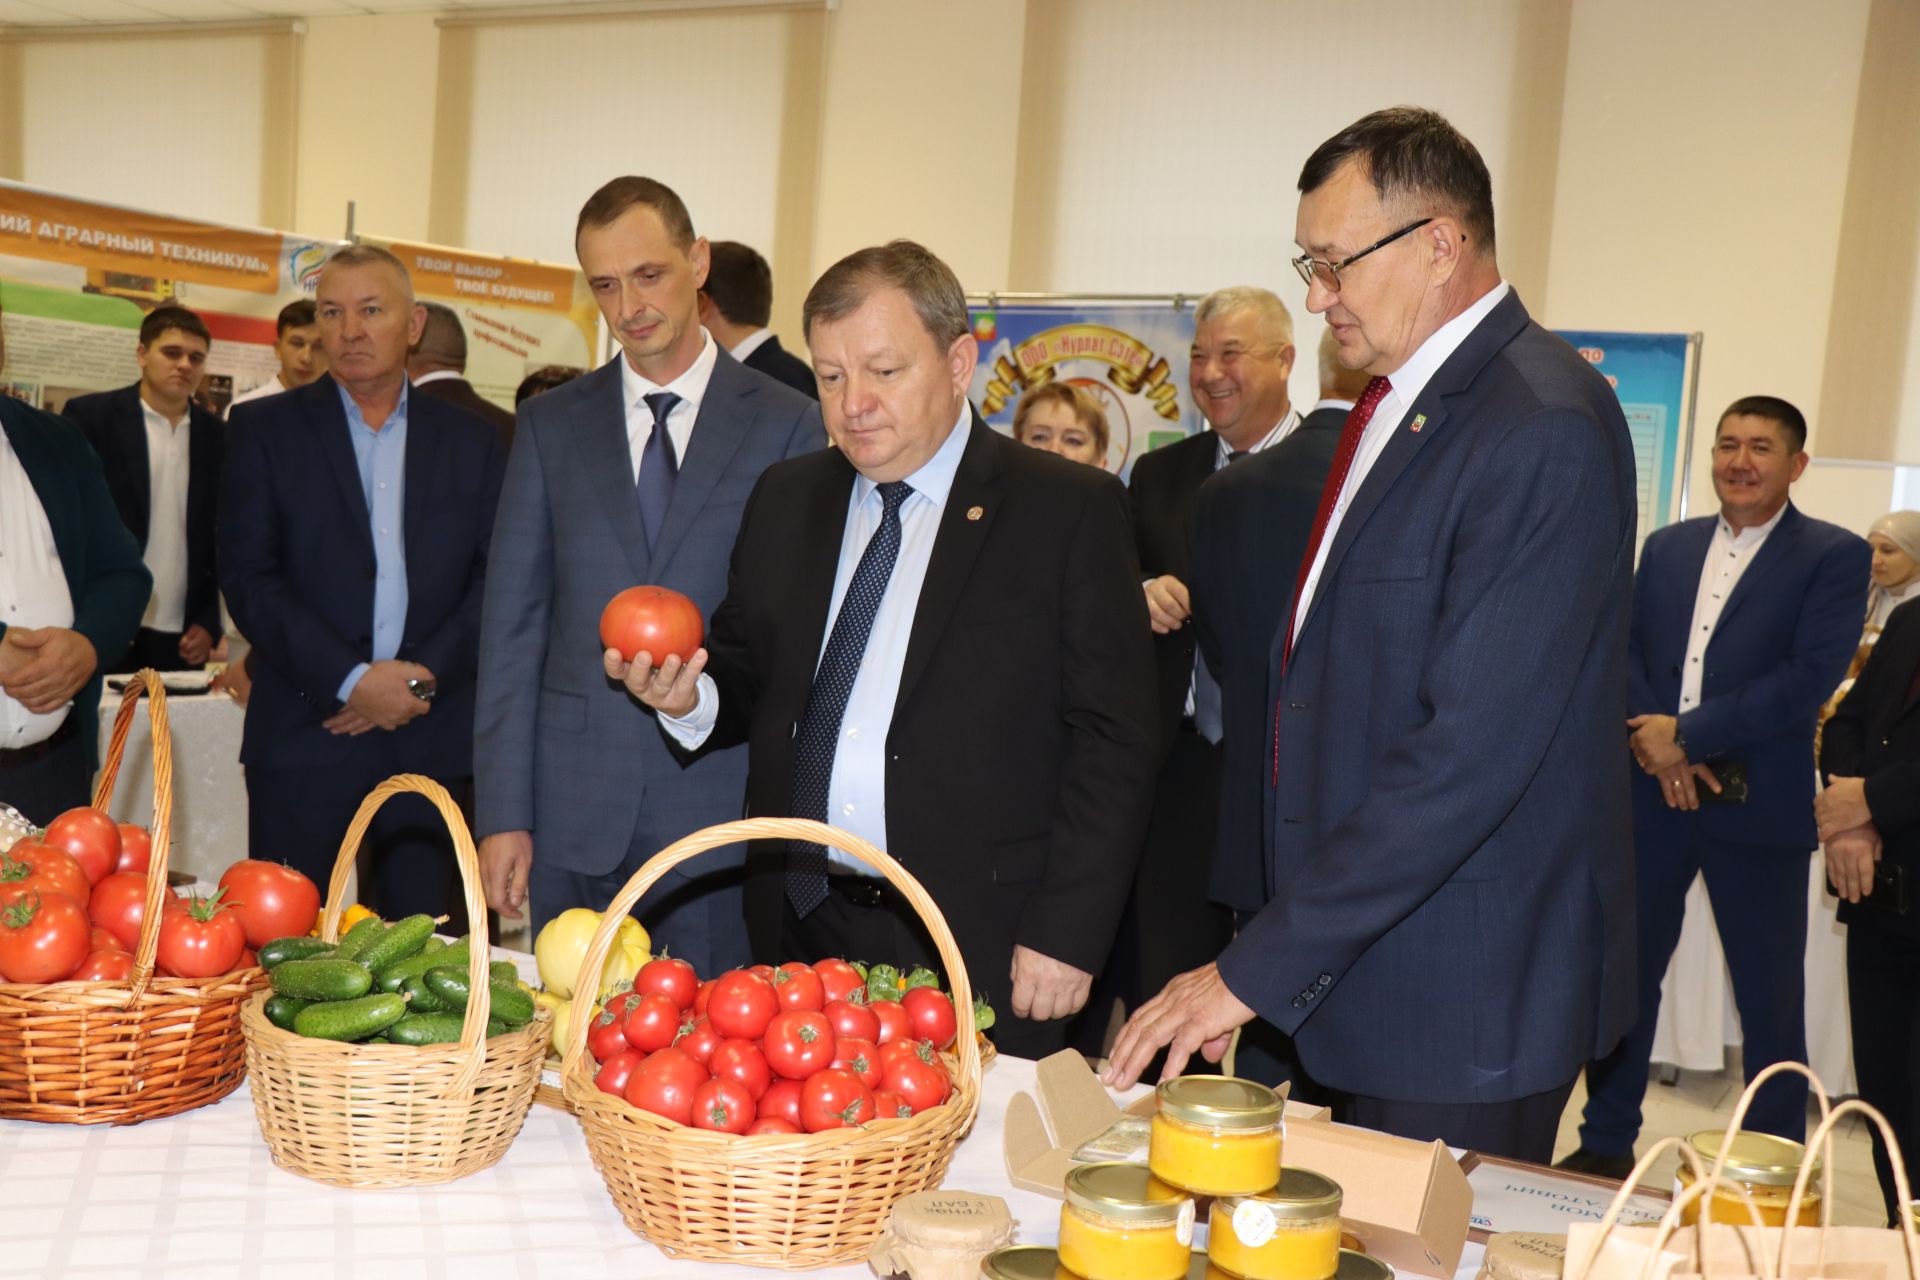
{"points": [[438, 375], [1727, 559], [750, 344], [271, 387], [857, 794], [1406, 383], [690, 386], [166, 554], [33, 588], [1281, 430]]}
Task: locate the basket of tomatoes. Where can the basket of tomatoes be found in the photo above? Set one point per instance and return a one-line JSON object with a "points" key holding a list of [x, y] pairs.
{"points": [[771, 1126], [121, 1002]]}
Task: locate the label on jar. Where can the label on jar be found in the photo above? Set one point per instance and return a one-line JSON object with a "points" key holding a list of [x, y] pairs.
{"points": [[1183, 1230], [1253, 1223]]}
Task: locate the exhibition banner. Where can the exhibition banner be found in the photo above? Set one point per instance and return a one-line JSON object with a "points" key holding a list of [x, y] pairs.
{"points": [[1651, 374], [1130, 357]]}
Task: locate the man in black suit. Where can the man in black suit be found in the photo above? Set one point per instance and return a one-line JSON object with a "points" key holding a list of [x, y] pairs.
{"points": [[735, 304], [437, 366], [934, 637], [354, 526], [162, 455]]}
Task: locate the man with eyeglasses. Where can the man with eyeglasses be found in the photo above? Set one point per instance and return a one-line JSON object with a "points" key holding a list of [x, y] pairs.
{"points": [[1450, 936]]}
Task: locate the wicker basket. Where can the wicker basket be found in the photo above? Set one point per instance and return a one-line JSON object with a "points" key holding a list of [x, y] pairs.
{"points": [[123, 1052], [809, 1200], [377, 1115]]}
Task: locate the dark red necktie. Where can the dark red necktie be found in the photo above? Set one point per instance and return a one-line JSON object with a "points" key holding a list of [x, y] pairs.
{"points": [[1356, 426]]}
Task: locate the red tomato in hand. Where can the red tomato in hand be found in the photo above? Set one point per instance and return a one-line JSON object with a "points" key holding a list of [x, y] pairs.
{"points": [[773, 1124], [118, 904], [799, 987], [136, 848], [853, 1020], [741, 1006], [90, 836], [653, 620], [698, 1040], [920, 1078], [724, 1106], [798, 1043], [894, 1024], [858, 1056], [664, 1083], [674, 979], [614, 1073], [931, 1013], [271, 900], [834, 1099], [203, 940], [104, 966], [653, 1023], [742, 1060], [607, 1035], [781, 1101], [43, 937], [842, 981], [33, 867], [889, 1105]]}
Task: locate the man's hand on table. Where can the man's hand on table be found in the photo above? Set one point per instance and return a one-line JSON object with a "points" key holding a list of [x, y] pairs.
{"points": [[43, 667], [672, 689], [506, 859], [1196, 1011]]}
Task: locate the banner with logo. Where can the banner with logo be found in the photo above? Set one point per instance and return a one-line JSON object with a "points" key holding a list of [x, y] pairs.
{"points": [[1653, 375], [1130, 357]]}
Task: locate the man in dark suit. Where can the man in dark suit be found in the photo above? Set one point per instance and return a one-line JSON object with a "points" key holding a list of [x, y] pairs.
{"points": [[1445, 797], [162, 453], [575, 791], [735, 305], [934, 637], [354, 524], [437, 366], [1743, 624], [71, 591]]}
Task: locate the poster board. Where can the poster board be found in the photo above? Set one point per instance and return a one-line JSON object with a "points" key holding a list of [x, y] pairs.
{"points": [[1655, 375]]}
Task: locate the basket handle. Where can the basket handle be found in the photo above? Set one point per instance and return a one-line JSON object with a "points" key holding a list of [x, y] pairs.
{"points": [[473, 1037], [1823, 1140], [1631, 1184], [587, 986], [146, 681]]}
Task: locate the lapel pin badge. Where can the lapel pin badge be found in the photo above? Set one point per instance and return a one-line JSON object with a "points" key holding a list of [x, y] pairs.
{"points": [[974, 513], [1419, 421]]}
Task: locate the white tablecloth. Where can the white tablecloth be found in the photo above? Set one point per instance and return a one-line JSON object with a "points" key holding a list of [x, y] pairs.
{"points": [[209, 791]]}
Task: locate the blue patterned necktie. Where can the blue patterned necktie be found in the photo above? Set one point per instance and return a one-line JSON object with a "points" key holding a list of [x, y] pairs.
{"points": [[806, 879], [658, 466]]}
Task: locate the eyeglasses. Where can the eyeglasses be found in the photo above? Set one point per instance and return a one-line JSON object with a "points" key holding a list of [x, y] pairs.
{"points": [[1328, 273]]}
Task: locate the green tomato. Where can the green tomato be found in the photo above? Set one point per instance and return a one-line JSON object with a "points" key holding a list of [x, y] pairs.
{"points": [[921, 977], [883, 983]]}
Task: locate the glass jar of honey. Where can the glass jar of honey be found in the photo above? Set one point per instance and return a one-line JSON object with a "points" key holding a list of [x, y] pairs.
{"points": [[1120, 1223], [1023, 1262], [1289, 1233], [1216, 1136], [1765, 1166], [1355, 1265]]}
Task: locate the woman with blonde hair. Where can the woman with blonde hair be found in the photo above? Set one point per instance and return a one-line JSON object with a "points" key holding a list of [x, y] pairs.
{"points": [[1061, 418]]}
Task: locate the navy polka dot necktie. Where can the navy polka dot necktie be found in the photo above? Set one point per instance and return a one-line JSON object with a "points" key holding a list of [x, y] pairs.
{"points": [[658, 467], [806, 879]]}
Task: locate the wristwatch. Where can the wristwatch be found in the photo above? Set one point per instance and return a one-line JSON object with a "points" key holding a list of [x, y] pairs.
{"points": [[423, 689]]}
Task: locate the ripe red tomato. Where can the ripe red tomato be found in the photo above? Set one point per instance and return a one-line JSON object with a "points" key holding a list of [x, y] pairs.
{"points": [[858, 1056], [894, 1024], [798, 1043], [920, 1078], [742, 1060], [674, 979], [101, 940], [895, 1049], [799, 987], [889, 1105], [742, 1005], [698, 1040], [653, 1023], [271, 900], [773, 1124], [853, 1020], [621, 1004], [834, 1099], [654, 620], [664, 1083], [202, 941], [104, 966], [136, 848], [701, 996], [761, 971], [931, 1013], [30, 865], [118, 904], [607, 1035], [781, 1101], [614, 1073], [725, 1106], [90, 836], [842, 981], [43, 937]]}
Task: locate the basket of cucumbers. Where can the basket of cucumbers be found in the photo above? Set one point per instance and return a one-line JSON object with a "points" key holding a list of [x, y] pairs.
{"points": [[386, 1056]]}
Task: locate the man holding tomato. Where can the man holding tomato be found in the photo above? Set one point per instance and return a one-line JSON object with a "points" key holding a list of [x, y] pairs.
{"points": [[934, 638]]}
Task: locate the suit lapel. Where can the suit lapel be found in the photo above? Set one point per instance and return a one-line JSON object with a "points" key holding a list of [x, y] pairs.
{"points": [[724, 421], [606, 463], [1779, 544], [955, 547], [328, 422], [130, 421]]}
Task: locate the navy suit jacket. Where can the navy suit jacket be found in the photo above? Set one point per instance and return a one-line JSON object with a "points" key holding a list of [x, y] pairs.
{"points": [[782, 365], [116, 426], [1449, 841], [105, 576], [560, 750], [1780, 649], [297, 565]]}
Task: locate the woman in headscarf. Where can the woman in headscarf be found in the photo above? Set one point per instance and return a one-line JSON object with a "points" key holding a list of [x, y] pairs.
{"points": [[1895, 539]]}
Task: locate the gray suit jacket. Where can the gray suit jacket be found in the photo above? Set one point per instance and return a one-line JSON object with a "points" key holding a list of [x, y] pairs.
{"points": [[559, 749]]}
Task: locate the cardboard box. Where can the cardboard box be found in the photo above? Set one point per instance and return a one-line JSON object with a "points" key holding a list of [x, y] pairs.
{"points": [[1407, 1202]]}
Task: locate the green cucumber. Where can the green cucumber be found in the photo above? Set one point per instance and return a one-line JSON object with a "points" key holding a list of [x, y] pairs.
{"points": [[433, 944], [359, 938], [495, 1027], [327, 979], [420, 999], [511, 1005], [501, 971], [350, 1019], [281, 1010], [395, 975], [294, 948], [427, 1028], [402, 939]]}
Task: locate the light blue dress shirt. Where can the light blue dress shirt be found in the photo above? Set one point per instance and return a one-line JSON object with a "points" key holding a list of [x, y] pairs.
{"points": [[382, 459], [857, 796]]}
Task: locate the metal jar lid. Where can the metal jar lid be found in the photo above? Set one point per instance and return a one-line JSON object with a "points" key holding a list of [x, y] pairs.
{"points": [[1361, 1266], [1759, 1158], [1302, 1196], [1125, 1193], [1021, 1262], [1220, 1102]]}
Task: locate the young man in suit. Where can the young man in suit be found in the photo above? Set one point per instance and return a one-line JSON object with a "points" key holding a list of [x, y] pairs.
{"points": [[72, 588], [934, 638], [162, 455], [1743, 623], [437, 366], [1445, 794], [735, 305], [296, 345], [354, 524], [635, 473]]}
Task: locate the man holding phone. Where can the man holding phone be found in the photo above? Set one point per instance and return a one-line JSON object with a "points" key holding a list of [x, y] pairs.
{"points": [[1743, 622]]}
